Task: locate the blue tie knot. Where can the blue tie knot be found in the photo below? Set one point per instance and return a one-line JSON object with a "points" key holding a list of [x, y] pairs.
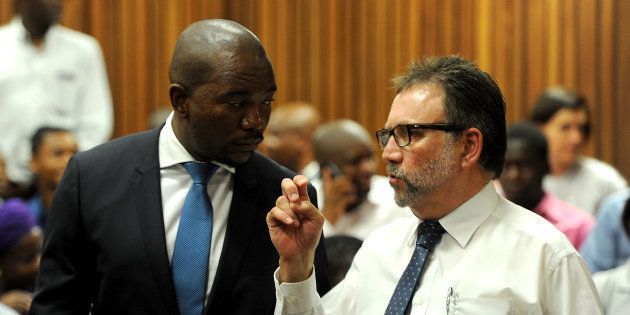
{"points": [[200, 172], [429, 234]]}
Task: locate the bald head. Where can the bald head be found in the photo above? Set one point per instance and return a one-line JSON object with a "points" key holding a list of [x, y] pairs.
{"points": [[295, 116], [332, 140], [205, 46]]}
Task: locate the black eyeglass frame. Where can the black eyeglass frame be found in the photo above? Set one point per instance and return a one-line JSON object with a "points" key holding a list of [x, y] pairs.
{"points": [[446, 127]]}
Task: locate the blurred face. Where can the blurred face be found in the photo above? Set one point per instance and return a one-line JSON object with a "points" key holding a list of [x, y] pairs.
{"points": [[419, 169], [39, 15], [49, 163], [522, 175], [226, 117], [565, 135], [20, 264], [357, 162], [285, 146]]}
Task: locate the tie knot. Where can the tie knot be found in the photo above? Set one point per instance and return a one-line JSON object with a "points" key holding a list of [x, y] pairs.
{"points": [[200, 172], [429, 234]]}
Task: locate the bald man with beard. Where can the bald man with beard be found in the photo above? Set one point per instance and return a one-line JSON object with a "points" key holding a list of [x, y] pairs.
{"points": [[115, 226]]}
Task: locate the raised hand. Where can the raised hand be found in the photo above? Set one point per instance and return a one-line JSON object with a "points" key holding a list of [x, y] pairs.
{"points": [[295, 226]]}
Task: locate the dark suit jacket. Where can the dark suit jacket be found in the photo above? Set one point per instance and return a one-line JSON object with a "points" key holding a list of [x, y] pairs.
{"points": [[105, 242]]}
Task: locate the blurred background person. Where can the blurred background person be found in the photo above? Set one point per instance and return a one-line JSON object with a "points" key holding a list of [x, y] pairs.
{"points": [[353, 199], [158, 116], [607, 246], [582, 181], [526, 164], [5, 183], [614, 285], [288, 137], [51, 149], [340, 251], [51, 76], [20, 250]]}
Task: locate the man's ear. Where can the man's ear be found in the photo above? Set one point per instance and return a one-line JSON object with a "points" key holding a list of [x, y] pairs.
{"points": [[178, 97], [473, 144]]}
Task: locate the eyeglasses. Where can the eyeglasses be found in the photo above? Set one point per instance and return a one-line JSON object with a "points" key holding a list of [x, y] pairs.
{"points": [[402, 133]]}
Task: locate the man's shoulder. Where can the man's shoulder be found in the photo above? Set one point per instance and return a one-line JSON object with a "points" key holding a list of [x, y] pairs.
{"points": [[599, 170], [133, 145], [74, 39]]}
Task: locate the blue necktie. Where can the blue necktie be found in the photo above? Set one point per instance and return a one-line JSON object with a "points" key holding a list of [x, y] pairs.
{"points": [[429, 234], [192, 245]]}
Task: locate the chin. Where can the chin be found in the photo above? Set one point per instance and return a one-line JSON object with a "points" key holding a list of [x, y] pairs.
{"points": [[237, 158]]}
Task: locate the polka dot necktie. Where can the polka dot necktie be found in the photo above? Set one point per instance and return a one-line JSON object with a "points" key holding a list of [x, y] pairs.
{"points": [[429, 234], [192, 244]]}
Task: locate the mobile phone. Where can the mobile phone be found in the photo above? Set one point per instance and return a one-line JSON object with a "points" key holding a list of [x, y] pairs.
{"points": [[334, 169]]}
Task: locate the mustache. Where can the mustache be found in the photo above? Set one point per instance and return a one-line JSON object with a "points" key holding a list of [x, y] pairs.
{"points": [[394, 170], [254, 138]]}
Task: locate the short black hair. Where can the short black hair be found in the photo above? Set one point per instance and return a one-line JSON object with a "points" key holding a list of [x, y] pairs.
{"points": [[472, 99], [38, 137], [533, 138], [555, 99], [625, 217], [340, 250]]}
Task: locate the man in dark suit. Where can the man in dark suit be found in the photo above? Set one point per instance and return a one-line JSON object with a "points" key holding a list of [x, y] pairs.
{"points": [[112, 233]]}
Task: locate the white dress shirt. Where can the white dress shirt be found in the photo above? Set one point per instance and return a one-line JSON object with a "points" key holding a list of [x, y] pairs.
{"points": [[496, 258], [585, 184], [62, 84], [614, 289], [377, 210], [176, 182]]}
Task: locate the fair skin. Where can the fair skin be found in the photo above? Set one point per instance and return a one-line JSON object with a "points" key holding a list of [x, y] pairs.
{"points": [[566, 138], [295, 225]]}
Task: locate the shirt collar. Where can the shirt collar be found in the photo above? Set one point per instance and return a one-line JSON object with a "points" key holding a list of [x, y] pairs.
{"points": [[462, 222], [172, 152]]}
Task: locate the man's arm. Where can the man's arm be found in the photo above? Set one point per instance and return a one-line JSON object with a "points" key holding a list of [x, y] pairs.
{"points": [[63, 284]]}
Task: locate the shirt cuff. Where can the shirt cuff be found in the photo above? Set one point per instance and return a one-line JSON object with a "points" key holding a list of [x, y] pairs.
{"points": [[296, 297]]}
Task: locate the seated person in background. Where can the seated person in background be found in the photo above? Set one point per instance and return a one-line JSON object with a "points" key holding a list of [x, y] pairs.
{"points": [[355, 201], [614, 285], [340, 250], [51, 149], [5, 183], [563, 116], [288, 137], [20, 250], [607, 246], [525, 167]]}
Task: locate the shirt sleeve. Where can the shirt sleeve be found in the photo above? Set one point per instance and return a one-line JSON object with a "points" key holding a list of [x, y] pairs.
{"points": [[569, 289], [297, 298], [598, 250], [94, 108]]}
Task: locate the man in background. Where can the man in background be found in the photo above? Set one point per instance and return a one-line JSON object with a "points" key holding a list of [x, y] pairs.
{"points": [[354, 200], [526, 164], [51, 76], [288, 137], [51, 150]]}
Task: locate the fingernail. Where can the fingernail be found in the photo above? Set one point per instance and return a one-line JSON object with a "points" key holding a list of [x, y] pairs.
{"points": [[289, 220], [294, 196]]}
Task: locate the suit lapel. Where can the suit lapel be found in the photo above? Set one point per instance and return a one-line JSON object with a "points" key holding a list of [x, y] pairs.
{"points": [[145, 185], [244, 212]]}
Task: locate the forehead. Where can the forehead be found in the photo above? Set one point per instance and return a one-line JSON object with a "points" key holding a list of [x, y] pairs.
{"points": [[421, 103], [568, 115]]}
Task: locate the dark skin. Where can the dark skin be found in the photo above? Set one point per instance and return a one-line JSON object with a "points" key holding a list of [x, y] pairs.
{"points": [[223, 118], [19, 267], [38, 16], [523, 174]]}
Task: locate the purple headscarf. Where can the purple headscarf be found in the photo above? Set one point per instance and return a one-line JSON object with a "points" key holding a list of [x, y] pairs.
{"points": [[16, 221]]}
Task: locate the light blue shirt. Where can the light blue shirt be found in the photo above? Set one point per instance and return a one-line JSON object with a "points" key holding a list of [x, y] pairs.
{"points": [[608, 246]]}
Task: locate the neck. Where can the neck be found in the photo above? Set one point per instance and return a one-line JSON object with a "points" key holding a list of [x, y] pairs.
{"points": [[558, 168], [531, 203], [447, 198], [46, 191]]}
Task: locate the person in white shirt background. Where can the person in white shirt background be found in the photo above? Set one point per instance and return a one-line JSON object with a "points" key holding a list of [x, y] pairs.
{"points": [[444, 142], [51, 76], [563, 116], [355, 201]]}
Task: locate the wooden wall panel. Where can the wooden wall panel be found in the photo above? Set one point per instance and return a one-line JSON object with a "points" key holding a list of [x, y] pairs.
{"points": [[340, 55]]}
